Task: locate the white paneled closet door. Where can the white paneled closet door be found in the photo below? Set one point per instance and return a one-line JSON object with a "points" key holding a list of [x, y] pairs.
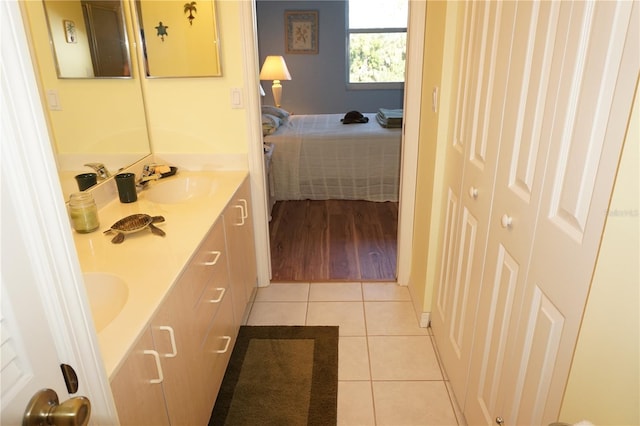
{"points": [[598, 67], [471, 169], [521, 168], [550, 104]]}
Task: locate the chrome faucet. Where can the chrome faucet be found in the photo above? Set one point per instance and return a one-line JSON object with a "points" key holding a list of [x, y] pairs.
{"points": [[148, 174], [100, 170]]}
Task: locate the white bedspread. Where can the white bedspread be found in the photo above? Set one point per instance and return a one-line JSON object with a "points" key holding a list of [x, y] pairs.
{"points": [[317, 157]]}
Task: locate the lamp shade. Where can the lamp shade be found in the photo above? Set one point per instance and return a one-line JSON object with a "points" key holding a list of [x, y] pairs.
{"points": [[274, 68]]}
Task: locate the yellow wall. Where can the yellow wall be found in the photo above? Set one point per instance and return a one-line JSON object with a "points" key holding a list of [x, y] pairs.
{"points": [[194, 115], [98, 116], [184, 115], [439, 51], [604, 383], [188, 48]]}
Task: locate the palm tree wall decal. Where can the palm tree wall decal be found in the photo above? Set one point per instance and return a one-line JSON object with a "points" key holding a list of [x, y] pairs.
{"points": [[191, 8]]}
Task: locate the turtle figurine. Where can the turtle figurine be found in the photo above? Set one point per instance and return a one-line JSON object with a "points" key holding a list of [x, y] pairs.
{"points": [[135, 223]]}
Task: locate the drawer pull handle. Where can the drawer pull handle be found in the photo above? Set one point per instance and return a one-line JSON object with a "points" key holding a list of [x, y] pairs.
{"points": [[222, 290], [242, 216], [216, 255], [245, 210], [226, 346], [172, 336], [158, 366]]}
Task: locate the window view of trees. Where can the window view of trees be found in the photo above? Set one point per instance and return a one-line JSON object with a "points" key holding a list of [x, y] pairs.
{"points": [[377, 57], [377, 40]]}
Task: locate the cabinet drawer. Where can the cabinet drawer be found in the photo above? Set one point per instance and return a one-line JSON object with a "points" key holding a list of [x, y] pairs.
{"points": [[209, 262], [217, 348], [215, 295]]}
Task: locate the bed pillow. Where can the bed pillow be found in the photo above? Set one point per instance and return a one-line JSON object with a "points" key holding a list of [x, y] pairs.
{"points": [[270, 124], [278, 112]]}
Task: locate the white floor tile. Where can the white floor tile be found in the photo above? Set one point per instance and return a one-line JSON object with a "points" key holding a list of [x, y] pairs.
{"points": [[353, 359], [335, 292], [349, 316], [385, 291], [355, 404], [403, 358], [392, 318], [281, 292], [408, 403], [278, 313]]}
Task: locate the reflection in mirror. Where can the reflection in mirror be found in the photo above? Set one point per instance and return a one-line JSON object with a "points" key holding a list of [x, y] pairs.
{"points": [[179, 39], [89, 38], [92, 122]]}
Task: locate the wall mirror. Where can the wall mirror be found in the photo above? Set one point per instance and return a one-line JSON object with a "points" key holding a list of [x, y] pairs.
{"points": [[88, 38], [179, 39], [91, 120]]}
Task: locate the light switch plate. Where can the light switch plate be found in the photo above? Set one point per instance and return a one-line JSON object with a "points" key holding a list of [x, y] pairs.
{"points": [[434, 98], [53, 100], [236, 98]]}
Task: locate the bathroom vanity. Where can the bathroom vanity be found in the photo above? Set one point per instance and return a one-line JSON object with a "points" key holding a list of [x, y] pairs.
{"points": [[166, 349]]}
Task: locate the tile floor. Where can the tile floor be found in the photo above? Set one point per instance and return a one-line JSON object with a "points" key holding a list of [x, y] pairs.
{"points": [[389, 373]]}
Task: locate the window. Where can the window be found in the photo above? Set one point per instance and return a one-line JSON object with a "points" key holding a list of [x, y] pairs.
{"points": [[377, 43]]}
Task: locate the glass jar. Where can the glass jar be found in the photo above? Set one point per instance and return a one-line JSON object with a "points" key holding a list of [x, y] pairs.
{"points": [[83, 212]]}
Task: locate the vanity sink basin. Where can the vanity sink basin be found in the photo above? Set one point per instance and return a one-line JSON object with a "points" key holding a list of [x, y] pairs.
{"points": [[107, 294], [179, 190]]}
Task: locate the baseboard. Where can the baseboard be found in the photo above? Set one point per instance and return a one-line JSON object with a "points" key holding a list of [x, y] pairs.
{"points": [[425, 319]]}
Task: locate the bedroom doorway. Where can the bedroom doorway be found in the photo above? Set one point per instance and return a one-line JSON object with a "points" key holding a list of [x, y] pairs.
{"points": [[389, 255]]}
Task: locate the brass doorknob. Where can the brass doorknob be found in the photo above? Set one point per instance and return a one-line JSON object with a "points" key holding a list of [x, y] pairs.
{"points": [[44, 409]]}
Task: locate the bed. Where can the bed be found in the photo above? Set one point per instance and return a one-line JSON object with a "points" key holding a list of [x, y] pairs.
{"points": [[317, 157]]}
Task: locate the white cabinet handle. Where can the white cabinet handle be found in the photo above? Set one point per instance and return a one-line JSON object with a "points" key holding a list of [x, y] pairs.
{"points": [[220, 296], [241, 216], [506, 221], [226, 346], [216, 255], [158, 366], [473, 192], [172, 336], [245, 210]]}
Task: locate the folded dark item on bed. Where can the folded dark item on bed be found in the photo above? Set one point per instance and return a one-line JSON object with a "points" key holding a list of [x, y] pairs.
{"points": [[354, 117], [390, 118]]}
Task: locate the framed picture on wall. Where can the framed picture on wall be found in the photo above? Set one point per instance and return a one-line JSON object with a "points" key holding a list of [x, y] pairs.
{"points": [[69, 31], [301, 31]]}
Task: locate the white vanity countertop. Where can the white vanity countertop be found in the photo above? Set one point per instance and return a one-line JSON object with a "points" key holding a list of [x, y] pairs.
{"points": [[150, 264]]}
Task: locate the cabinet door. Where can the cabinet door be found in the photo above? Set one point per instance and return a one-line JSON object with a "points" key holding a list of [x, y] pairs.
{"points": [[137, 387], [174, 339], [240, 243]]}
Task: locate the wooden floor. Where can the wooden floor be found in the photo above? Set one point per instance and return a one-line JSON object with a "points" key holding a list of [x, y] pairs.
{"points": [[333, 240]]}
